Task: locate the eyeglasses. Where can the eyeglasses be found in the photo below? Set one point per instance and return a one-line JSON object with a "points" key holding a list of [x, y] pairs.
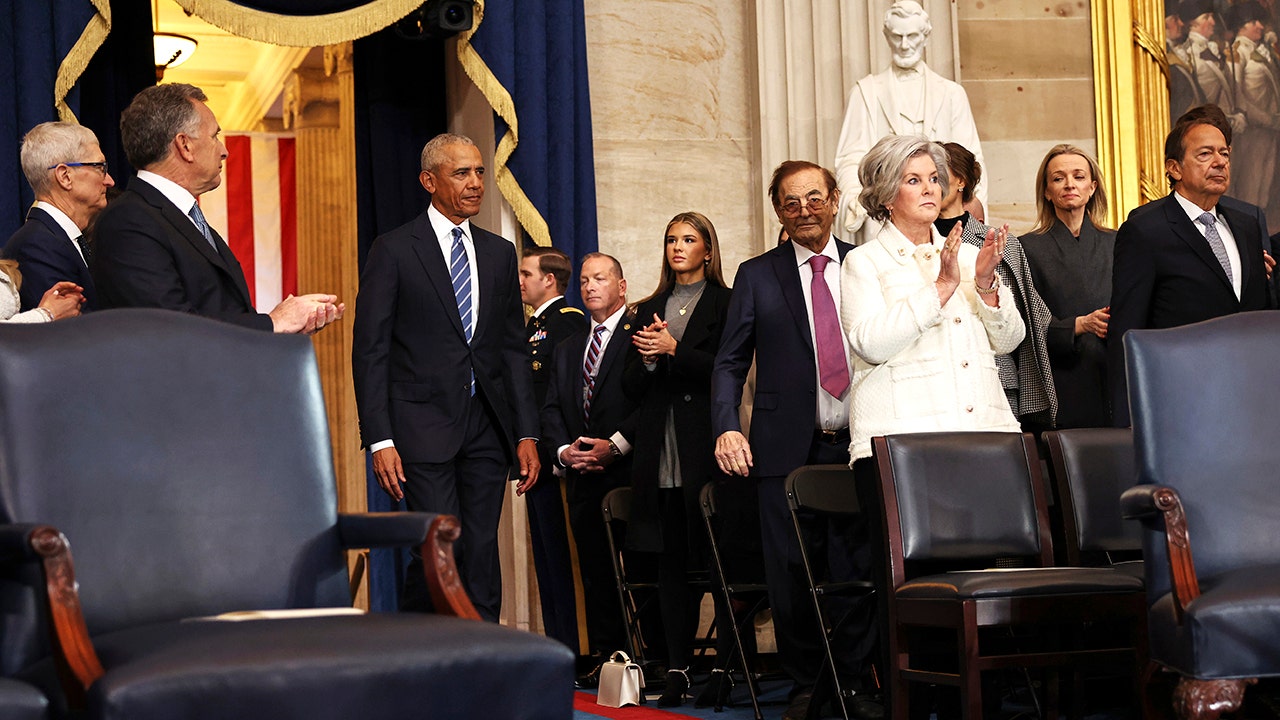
{"points": [[99, 165], [815, 205]]}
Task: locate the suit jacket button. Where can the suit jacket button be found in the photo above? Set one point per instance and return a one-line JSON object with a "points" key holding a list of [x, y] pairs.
{"points": [[687, 398]]}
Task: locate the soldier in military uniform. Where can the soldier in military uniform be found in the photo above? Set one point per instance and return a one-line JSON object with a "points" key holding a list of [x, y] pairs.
{"points": [[544, 275]]}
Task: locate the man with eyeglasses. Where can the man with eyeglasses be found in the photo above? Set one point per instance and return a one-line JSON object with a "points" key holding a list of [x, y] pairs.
{"points": [[68, 174], [785, 313], [153, 246]]}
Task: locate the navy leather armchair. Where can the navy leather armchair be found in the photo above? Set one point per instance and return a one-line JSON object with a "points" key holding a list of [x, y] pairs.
{"points": [[1203, 400], [187, 462]]}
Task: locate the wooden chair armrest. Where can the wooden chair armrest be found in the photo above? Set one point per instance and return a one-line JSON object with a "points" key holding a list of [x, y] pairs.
{"points": [[447, 594], [1160, 509], [435, 533], [74, 649]]}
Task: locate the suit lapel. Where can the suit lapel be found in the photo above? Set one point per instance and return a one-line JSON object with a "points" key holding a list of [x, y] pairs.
{"points": [[1246, 238], [427, 248], [187, 229], [613, 352], [703, 317], [62, 247], [788, 273], [487, 261], [1182, 228]]}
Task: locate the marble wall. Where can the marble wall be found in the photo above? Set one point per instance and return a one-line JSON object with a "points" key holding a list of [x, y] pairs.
{"points": [[672, 109], [1027, 66], [674, 88]]}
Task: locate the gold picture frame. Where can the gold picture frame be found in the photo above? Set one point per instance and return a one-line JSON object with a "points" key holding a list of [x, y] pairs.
{"points": [[1131, 100]]}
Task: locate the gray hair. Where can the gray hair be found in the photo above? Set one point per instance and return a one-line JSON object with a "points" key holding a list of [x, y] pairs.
{"points": [[50, 144], [907, 9], [433, 152], [885, 163], [617, 266], [155, 117]]}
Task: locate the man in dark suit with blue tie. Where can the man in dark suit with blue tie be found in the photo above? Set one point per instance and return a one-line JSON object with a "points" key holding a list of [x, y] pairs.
{"points": [[1190, 256], [152, 246], [441, 372], [784, 313], [68, 174]]}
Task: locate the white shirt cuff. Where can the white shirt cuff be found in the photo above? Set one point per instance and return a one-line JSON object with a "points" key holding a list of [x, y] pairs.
{"points": [[624, 447], [381, 446]]}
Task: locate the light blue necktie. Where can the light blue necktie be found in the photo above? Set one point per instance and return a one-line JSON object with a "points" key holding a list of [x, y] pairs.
{"points": [[198, 218], [460, 276], [1210, 222]]}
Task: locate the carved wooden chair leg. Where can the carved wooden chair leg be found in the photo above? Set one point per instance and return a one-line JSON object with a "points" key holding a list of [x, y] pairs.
{"points": [[1208, 699]]}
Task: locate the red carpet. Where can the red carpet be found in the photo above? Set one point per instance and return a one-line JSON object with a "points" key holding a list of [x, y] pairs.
{"points": [[585, 703]]}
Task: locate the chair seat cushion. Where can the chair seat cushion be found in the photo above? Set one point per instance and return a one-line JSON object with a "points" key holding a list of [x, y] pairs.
{"points": [[375, 666], [1021, 582], [1231, 631], [20, 701]]}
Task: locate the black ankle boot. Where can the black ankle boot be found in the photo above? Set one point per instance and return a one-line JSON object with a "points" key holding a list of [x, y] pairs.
{"points": [[677, 687], [716, 692]]}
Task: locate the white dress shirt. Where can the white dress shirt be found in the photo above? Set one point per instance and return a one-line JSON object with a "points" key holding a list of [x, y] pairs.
{"points": [[65, 223], [833, 413]]}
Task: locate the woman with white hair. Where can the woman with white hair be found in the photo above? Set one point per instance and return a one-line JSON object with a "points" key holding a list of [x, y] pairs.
{"points": [[925, 315]]}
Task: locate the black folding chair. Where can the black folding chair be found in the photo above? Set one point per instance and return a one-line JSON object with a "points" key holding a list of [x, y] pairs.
{"points": [[828, 491], [757, 592], [616, 508]]}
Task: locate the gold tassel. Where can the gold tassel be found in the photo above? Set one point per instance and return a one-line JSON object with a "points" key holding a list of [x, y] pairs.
{"points": [[501, 102], [300, 31], [77, 59]]}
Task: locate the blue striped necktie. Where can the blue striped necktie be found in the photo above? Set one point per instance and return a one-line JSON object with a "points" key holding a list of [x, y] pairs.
{"points": [[460, 276]]}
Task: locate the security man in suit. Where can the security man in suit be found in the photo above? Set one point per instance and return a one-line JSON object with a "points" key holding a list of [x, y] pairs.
{"points": [[68, 173], [588, 425], [152, 245], [1190, 256], [544, 275]]}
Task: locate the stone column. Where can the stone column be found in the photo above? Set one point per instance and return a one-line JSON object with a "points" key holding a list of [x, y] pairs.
{"points": [[319, 108]]}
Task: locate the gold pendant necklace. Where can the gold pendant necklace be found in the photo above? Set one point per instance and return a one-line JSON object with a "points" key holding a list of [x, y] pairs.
{"points": [[684, 308]]}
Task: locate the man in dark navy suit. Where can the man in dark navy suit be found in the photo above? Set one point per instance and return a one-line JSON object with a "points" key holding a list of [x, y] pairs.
{"points": [[68, 173], [777, 317], [588, 425], [1190, 256], [441, 371], [544, 275], [152, 245]]}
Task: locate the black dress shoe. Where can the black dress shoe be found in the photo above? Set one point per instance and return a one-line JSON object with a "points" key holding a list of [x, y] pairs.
{"points": [[589, 681], [864, 707], [677, 687], [716, 692], [799, 707]]}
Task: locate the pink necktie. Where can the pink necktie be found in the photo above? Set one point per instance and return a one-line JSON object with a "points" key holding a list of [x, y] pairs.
{"points": [[833, 367]]}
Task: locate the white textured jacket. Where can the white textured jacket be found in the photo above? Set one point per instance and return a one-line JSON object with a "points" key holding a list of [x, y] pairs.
{"points": [[919, 366], [10, 302]]}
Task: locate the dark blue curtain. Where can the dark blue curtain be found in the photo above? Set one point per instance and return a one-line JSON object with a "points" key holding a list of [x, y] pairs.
{"points": [[537, 49], [391, 127], [38, 36], [122, 67]]}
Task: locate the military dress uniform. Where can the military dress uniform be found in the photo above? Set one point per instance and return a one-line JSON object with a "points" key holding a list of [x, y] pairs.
{"points": [[545, 502]]}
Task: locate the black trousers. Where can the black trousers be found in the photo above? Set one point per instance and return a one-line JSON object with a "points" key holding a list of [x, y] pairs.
{"points": [[548, 529], [471, 486], [838, 550]]}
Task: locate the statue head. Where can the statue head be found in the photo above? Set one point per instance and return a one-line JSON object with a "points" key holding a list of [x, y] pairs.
{"points": [[907, 28]]}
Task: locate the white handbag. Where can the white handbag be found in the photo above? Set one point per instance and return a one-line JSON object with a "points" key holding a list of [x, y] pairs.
{"points": [[621, 682]]}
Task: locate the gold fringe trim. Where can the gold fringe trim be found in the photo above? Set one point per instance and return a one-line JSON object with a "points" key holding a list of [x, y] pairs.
{"points": [[500, 100], [300, 31], [77, 59]]}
